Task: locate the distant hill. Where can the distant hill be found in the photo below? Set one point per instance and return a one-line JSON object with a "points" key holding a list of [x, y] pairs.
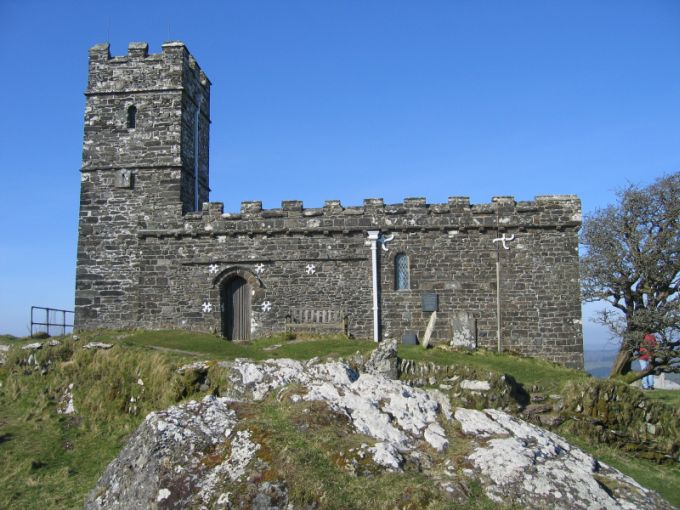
{"points": [[598, 362]]}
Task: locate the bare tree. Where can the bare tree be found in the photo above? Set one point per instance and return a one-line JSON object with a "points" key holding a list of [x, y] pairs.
{"points": [[632, 261]]}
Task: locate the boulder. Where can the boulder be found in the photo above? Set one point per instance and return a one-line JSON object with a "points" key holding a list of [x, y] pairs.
{"points": [[383, 360], [97, 345], [161, 465], [66, 405]]}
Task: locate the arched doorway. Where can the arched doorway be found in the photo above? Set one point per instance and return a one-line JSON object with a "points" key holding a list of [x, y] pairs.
{"points": [[235, 305]]}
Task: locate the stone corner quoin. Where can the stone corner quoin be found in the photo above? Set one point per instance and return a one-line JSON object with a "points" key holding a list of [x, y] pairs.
{"points": [[153, 252]]}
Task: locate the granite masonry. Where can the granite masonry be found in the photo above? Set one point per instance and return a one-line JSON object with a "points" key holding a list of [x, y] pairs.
{"points": [[154, 253]]}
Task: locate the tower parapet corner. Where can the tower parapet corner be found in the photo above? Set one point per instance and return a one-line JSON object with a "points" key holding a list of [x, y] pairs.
{"points": [[100, 51], [570, 203], [172, 46]]}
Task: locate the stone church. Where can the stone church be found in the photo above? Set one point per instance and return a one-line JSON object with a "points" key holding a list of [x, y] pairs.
{"points": [[153, 252]]}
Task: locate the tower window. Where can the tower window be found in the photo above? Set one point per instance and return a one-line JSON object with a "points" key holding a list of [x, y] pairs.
{"points": [[132, 117], [402, 278]]}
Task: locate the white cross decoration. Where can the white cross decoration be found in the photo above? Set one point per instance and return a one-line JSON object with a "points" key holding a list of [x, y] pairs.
{"points": [[504, 240], [207, 307], [310, 269], [212, 268], [266, 306], [259, 269], [383, 240]]}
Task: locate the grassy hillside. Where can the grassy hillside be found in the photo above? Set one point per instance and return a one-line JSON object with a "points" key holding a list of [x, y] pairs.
{"points": [[55, 459]]}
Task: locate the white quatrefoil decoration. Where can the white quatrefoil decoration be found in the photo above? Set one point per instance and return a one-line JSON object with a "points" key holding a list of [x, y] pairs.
{"points": [[212, 268], [259, 268], [310, 269], [207, 307], [266, 306]]}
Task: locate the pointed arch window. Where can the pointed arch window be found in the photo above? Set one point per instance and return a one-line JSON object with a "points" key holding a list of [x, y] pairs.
{"points": [[132, 117], [402, 277]]}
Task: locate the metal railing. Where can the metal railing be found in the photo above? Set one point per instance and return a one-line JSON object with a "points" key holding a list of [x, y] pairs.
{"points": [[51, 318]]}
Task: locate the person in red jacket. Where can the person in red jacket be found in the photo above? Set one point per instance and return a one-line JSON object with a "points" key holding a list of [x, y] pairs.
{"points": [[646, 356]]}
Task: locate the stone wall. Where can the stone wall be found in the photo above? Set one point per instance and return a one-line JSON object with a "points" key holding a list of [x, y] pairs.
{"points": [[147, 258], [450, 249]]}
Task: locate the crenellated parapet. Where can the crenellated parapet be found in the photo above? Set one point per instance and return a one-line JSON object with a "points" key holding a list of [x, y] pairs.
{"points": [[503, 213], [139, 70], [147, 123]]}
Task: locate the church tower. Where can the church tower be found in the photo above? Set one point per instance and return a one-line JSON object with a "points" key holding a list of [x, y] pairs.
{"points": [[145, 160]]}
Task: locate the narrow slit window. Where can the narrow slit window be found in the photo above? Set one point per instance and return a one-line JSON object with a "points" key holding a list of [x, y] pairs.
{"points": [[131, 117], [401, 272]]}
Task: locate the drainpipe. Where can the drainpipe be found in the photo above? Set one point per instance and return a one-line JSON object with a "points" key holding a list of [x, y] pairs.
{"points": [[196, 140], [502, 240], [373, 236]]}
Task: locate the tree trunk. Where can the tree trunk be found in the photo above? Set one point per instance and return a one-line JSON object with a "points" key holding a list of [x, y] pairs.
{"points": [[622, 362], [629, 344]]}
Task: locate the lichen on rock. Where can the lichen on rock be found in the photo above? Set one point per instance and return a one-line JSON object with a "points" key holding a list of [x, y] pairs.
{"points": [[527, 465], [216, 453]]}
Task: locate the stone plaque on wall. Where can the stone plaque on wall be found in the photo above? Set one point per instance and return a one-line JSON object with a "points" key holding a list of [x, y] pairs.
{"points": [[429, 302], [124, 179]]}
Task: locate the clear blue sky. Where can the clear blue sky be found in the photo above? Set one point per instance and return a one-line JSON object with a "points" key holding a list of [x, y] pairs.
{"points": [[344, 99]]}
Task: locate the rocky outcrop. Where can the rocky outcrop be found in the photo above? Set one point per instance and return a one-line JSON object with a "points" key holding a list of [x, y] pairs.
{"points": [[32, 346], [161, 466], [535, 468], [215, 454]]}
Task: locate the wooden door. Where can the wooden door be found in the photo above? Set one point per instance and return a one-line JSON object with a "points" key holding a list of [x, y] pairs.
{"points": [[236, 309]]}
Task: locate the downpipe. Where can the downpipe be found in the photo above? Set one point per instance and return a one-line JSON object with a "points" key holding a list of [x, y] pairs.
{"points": [[373, 236]]}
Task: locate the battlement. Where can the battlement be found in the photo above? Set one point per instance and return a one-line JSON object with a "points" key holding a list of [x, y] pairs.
{"points": [[504, 213], [139, 69], [566, 204]]}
